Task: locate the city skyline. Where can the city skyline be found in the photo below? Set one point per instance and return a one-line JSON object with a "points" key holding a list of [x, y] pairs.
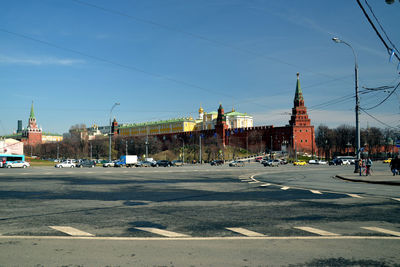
{"points": [[163, 59]]}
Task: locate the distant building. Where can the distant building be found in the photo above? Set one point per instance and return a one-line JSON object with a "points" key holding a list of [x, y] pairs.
{"points": [[205, 121], [32, 134], [11, 146]]}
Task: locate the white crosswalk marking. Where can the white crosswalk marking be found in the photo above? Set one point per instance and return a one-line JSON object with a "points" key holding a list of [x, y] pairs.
{"points": [[316, 192], [244, 232], [70, 231], [285, 188], [161, 232], [354, 195], [317, 231], [381, 230]]}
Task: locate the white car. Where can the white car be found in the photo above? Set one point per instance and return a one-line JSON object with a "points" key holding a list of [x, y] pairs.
{"points": [[346, 162], [322, 162], [17, 164], [66, 164]]}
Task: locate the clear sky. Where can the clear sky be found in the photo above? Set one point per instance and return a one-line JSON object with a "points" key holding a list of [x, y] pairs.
{"points": [[161, 59]]}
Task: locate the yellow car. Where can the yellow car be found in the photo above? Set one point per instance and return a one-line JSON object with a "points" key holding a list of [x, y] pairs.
{"points": [[387, 160], [300, 163]]}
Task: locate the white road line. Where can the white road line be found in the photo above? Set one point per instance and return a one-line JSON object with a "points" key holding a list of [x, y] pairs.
{"points": [[381, 230], [316, 192], [70, 231], [317, 231], [354, 195], [245, 232], [161, 232], [254, 182], [116, 238], [285, 188], [248, 180], [265, 185], [397, 199]]}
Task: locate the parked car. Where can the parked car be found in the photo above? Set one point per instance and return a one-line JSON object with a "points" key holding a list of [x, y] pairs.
{"points": [[346, 162], [86, 163], [259, 159], [272, 163], [236, 163], [322, 162], [216, 162], [145, 163], [65, 164], [108, 164], [389, 160], [17, 164], [163, 163], [300, 163], [177, 163]]}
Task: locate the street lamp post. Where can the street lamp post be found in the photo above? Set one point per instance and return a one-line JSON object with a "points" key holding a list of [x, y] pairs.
{"points": [[357, 109], [110, 134]]}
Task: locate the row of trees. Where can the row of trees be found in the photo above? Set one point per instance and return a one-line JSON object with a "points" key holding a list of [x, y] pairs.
{"points": [[341, 140], [329, 141]]}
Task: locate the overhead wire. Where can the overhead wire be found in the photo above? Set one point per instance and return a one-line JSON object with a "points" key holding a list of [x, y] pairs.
{"points": [[384, 100], [198, 36], [375, 29], [381, 122], [380, 26]]}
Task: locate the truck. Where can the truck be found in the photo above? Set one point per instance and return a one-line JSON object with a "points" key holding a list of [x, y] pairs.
{"points": [[127, 161]]}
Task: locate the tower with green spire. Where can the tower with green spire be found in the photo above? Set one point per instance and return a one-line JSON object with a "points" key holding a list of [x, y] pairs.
{"points": [[299, 111], [32, 135]]}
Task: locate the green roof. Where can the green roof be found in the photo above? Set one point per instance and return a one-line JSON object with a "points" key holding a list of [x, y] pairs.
{"points": [[235, 113], [299, 93], [155, 122], [32, 115]]}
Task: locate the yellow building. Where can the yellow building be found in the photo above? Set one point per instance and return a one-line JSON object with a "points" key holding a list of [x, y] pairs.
{"points": [[206, 121], [51, 138], [158, 127], [234, 120]]}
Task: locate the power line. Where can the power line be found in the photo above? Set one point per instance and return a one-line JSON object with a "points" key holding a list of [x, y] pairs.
{"points": [[387, 125], [383, 30], [198, 36], [386, 98], [375, 29]]}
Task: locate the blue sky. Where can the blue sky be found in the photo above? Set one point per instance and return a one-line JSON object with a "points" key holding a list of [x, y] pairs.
{"points": [[161, 59]]}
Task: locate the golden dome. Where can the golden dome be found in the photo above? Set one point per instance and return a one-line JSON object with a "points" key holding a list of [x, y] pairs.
{"points": [[201, 110]]}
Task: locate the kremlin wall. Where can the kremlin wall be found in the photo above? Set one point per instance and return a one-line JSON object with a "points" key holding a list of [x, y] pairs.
{"points": [[227, 129]]}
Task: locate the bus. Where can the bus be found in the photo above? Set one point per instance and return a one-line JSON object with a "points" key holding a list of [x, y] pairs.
{"points": [[4, 158]]}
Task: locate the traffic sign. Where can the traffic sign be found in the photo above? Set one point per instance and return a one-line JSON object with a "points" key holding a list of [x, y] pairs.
{"points": [[398, 143]]}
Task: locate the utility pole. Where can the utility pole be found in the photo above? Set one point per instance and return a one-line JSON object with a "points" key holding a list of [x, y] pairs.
{"points": [[58, 150], [126, 147], [91, 151], [357, 109], [200, 160]]}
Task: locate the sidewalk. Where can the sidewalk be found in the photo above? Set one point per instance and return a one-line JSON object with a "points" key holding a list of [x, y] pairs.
{"points": [[377, 177]]}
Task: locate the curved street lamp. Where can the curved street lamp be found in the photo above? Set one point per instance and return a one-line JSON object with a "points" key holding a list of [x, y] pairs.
{"points": [[337, 40], [110, 134]]}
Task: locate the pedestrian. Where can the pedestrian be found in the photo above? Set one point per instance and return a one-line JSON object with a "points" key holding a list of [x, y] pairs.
{"points": [[395, 165], [368, 165], [360, 166]]}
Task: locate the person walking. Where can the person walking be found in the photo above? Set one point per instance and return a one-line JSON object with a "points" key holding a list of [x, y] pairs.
{"points": [[368, 165], [395, 165], [360, 166]]}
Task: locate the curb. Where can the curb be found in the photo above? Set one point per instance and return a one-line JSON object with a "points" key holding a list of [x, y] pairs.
{"points": [[368, 182]]}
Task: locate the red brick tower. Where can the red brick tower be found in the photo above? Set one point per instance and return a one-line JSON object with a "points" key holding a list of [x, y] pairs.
{"points": [[220, 126], [303, 137], [32, 135], [114, 127]]}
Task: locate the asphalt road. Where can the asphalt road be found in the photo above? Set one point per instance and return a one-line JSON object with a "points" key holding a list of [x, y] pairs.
{"points": [[196, 216]]}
